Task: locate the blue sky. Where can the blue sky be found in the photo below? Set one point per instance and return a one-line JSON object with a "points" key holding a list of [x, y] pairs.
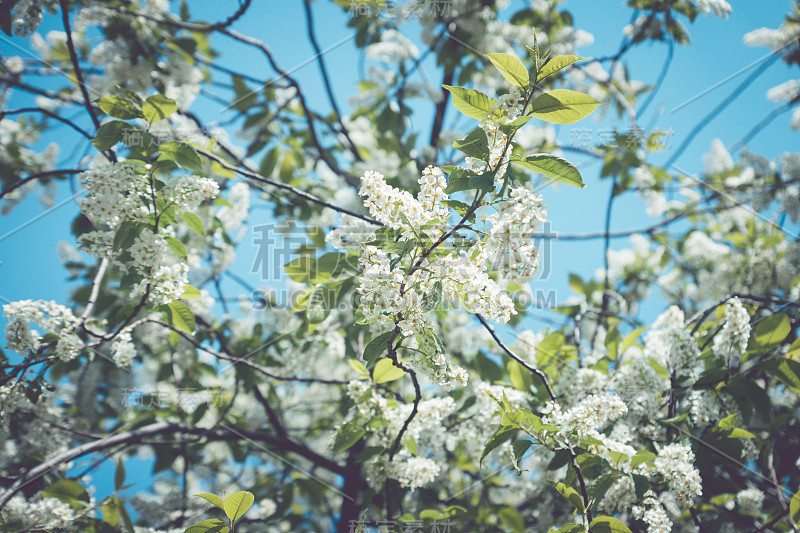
{"points": [[29, 266]]}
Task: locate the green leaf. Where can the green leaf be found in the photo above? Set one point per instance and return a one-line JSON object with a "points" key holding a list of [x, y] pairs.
{"points": [[318, 304], [612, 342], [729, 422], [569, 528], [512, 519], [268, 163], [483, 182], [431, 300], [237, 504], [385, 371], [511, 68], [181, 154], [376, 347], [213, 525], [470, 102], [642, 456], [474, 144], [739, 433], [119, 475], [459, 180], [359, 367], [562, 106], [772, 330], [158, 107], [181, 316], [600, 486], [794, 508], [194, 222], [555, 64], [109, 134], [411, 445], [245, 98], [70, 492], [502, 435], [290, 161], [212, 498], [640, 485], [111, 511], [553, 167], [190, 292], [630, 338], [126, 235], [788, 371], [176, 246], [119, 107], [350, 433], [572, 496], [607, 524], [519, 448]]}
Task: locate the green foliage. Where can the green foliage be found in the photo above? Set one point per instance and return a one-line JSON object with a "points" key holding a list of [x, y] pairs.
{"points": [[554, 167], [563, 106], [471, 102], [511, 68], [234, 507], [181, 154]]}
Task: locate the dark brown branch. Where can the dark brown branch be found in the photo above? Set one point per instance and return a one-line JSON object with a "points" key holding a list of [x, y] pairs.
{"points": [[47, 113], [17, 184], [538, 373], [312, 129], [326, 80], [203, 28], [294, 190], [73, 55], [166, 428]]}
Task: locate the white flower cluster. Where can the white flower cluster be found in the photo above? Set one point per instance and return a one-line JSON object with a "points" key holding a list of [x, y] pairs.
{"points": [[28, 15], [510, 237], [412, 472], [118, 193], [718, 161], [750, 500], [621, 495], [773, 38], [51, 317], [394, 47], [653, 514], [720, 8], [675, 462], [123, 351], [47, 513], [26, 426], [187, 192], [426, 424], [731, 341], [703, 407], [399, 209], [232, 216], [587, 416], [499, 147], [670, 344], [640, 386], [388, 294]]}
